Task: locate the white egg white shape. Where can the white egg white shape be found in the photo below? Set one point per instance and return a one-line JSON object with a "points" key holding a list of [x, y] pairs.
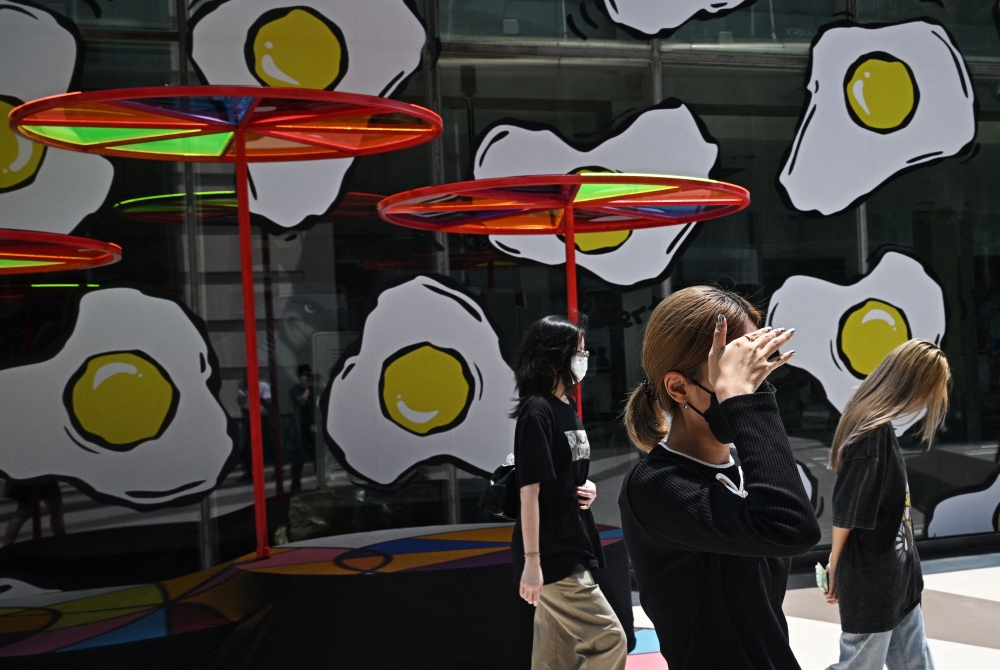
{"points": [[967, 512], [365, 431], [651, 18], [665, 140], [817, 309], [194, 445], [382, 44], [41, 54], [835, 160]]}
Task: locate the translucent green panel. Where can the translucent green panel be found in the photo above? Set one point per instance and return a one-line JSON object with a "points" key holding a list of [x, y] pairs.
{"points": [[169, 196], [88, 135], [600, 191], [12, 263], [200, 145]]}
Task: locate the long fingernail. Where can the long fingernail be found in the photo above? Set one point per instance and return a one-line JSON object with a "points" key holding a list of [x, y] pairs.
{"points": [[768, 328], [792, 352], [719, 318], [780, 330], [791, 330]]}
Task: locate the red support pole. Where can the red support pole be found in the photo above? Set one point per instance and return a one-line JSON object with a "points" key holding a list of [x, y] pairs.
{"points": [[569, 225], [250, 328]]}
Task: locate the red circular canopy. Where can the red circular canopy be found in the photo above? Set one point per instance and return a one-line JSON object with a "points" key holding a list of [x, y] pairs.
{"points": [[197, 123], [26, 252], [534, 205], [222, 206]]}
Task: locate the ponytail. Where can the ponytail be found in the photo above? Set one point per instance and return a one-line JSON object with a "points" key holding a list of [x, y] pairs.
{"points": [[645, 420]]}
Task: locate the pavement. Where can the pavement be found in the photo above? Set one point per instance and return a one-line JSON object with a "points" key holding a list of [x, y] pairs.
{"points": [[961, 603]]}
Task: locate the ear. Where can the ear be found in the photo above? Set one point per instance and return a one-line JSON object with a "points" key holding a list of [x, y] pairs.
{"points": [[676, 385]]}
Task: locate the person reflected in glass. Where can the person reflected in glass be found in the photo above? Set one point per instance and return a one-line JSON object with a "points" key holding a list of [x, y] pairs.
{"points": [[874, 571], [556, 543], [303, 404], [713, 514], [26, 495], [267, 435]]}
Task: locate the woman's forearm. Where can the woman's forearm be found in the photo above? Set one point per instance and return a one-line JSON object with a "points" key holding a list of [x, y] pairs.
{"points": [[530, 517], [839, 540]]}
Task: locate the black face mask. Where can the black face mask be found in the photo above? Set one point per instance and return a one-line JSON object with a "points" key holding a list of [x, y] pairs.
{"points": [[714, 418]]}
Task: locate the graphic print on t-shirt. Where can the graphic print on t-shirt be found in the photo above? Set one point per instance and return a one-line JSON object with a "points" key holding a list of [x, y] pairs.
{"points": [[579, 445], [904, 538]]}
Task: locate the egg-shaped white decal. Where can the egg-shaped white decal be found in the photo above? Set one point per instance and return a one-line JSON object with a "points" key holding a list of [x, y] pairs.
{"points": [[426, 382], [42, 188], [649, 18], [368, 47], [967, 512], [126, 407], [666, 140], [881, 101], [843, 332]]}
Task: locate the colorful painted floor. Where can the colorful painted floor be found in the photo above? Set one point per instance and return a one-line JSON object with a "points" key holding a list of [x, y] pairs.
{"points": [[961, 614]]}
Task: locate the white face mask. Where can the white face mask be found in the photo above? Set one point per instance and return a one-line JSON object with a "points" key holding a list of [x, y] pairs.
{"points": [[578, 366]]}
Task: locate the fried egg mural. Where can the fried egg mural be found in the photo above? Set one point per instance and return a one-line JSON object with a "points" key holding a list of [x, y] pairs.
{"points": [[844, 332], [126, 408], [967, 512], [882, 101], [368, 47], [41, 188], [668, 139], [426, 382], [649, 18]]}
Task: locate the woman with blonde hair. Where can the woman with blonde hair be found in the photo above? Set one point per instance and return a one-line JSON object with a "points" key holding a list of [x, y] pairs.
{"points": [[717, 507], [874, 571]]}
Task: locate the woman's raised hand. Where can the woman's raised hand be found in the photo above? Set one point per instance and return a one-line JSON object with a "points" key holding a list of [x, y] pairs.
{"points": [[739, 368]]}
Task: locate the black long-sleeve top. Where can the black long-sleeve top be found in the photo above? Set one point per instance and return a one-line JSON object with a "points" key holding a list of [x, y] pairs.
{"points": [[712, 557]]}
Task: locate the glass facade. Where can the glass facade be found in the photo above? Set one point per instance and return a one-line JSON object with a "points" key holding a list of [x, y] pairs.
{"points": [[542, 66]]}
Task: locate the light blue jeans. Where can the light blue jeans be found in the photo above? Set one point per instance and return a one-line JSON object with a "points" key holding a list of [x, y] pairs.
{"points": [[902, 648]]}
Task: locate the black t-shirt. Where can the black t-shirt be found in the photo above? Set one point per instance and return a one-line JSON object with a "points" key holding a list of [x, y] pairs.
{"points": [[303, 408], [878, 576], [551, 449]]}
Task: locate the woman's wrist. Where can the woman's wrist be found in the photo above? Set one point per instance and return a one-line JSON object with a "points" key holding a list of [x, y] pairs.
{"points": [[532, 556], [724, 391]]}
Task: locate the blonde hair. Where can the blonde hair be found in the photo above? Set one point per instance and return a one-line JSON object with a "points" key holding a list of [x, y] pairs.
{"points": [[678, 338], [914, 377]]}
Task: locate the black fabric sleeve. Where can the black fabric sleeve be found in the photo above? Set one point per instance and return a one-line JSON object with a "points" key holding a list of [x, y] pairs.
{"points": [[858, 490], [534, 457], [776, 517]]}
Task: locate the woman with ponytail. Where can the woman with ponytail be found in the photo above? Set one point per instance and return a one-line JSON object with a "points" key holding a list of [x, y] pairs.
{"points": [[714, 512]]}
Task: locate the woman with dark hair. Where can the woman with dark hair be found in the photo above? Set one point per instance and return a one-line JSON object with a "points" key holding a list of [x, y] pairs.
{"points": [[556, 543], [717, 507]]}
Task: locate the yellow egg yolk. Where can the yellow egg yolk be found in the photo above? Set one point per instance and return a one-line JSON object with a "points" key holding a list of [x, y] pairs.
{"points": [[869, 332], [589, 243], [19, 158], [122, 399], [426, 388], [299, 49], [881, 93]]}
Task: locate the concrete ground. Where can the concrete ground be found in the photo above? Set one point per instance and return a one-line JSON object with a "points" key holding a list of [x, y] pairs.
{"points": [[961, 604]]}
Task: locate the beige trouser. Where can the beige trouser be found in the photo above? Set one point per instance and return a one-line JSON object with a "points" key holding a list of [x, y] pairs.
{"points": [[576, 629]]}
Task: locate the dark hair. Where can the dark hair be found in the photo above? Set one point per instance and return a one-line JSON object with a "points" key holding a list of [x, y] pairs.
{"points": [[544, 358], [305, 369]]}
